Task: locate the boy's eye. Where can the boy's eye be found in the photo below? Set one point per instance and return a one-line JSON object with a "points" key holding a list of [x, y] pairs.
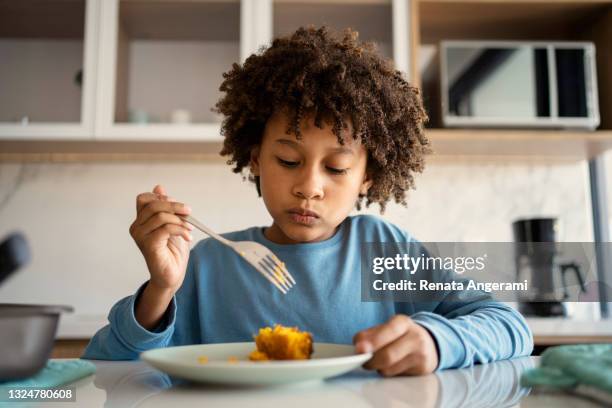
{"points": [[287, 163], [336, 171], [290, 164]]}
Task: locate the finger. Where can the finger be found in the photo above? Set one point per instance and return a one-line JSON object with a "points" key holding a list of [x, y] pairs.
{"points": [[160, 219], [392, 353], [143, 199], [159, 189], [361, 339], [162, 197], [379, 336], [406, 366], [165, 232], [158, 206]]}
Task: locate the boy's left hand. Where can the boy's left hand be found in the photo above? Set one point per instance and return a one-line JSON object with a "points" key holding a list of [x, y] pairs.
{"points": [[400, 347]]}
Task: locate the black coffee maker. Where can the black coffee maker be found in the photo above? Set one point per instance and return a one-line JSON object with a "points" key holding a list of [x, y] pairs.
{"points": [[536, 261]]}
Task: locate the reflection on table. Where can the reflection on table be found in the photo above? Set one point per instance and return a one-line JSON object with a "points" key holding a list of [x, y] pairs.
{"points": [[131, 384]]}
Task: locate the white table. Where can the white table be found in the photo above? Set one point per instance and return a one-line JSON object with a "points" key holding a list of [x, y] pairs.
{"points": [[135, 384]]}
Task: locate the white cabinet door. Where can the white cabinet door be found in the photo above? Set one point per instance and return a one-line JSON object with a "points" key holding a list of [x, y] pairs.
{"points": [[385, 22], [47, 69], [161, 64], [255, 26]]}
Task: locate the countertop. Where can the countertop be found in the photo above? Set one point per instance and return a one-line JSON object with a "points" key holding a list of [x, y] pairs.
{"points": [[76, 327], [135, 384], [558, 330]]}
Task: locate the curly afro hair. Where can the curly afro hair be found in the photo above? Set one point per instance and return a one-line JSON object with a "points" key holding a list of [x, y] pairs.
{"points": [[334, 78]]}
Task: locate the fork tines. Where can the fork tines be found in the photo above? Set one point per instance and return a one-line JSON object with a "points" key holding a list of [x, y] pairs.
{"points": [[276, 272]]}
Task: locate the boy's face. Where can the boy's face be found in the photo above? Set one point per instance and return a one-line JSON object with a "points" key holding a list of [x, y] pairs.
{"points": [[310, 185]]}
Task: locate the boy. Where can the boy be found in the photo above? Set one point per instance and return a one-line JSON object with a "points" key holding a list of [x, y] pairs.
{"points": [[322, 123]]}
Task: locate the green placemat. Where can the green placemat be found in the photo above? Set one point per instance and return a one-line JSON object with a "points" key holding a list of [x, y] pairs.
{"points": [[581, 369], [54, 374]]}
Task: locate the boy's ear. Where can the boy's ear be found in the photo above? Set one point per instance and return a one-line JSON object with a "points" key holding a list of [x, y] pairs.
{"points": [[255, 161], [365, 185]]}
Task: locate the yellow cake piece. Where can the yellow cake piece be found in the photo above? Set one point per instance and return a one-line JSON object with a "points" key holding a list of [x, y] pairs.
{"points": [[282, 343]]}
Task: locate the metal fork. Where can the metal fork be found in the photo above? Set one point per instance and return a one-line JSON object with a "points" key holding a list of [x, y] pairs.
{"points": [[260, 257]]}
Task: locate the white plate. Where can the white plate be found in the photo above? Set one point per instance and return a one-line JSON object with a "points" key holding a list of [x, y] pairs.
{"points": [[328, 360]]}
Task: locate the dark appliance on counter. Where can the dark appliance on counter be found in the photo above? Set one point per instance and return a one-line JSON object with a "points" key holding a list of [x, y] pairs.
{"points": [[537, 260]]}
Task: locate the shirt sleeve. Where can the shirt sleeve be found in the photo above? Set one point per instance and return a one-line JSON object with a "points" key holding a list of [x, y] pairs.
{"points": [[123, 338], [470, 327], [485, 333]]}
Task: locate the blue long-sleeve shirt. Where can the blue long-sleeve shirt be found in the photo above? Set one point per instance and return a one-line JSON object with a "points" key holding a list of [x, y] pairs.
{"points": [[223, 299]]}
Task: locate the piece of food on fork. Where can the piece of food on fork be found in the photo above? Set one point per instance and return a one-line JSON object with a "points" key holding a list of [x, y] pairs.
{"points": [[282, 343]]}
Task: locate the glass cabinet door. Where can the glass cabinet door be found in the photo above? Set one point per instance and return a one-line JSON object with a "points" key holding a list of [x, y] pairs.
{"points": [[167, 59], [44, 64], [372, 19]]}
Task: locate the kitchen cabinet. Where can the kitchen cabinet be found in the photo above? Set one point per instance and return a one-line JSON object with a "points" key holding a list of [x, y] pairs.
{"points": [[161, 63], [151, 69], [48, 68]]}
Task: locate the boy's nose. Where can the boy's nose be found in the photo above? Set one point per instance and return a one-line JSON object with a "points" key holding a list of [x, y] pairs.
{"points": [[309, 185]]}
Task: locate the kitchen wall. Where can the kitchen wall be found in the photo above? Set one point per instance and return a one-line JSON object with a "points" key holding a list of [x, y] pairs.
{"points": [[76, 217]]}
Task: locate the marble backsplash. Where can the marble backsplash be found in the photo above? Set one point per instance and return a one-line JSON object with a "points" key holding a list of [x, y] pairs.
{"points": [[76, 215]]}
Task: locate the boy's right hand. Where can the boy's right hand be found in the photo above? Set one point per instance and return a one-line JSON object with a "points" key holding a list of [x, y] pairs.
{"points": [[162, 237]]}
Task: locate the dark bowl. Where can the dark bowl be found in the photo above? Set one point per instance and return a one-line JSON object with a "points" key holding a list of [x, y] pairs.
{"points": [[27, 334]]}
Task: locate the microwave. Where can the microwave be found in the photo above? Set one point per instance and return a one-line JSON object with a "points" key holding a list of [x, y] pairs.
{"points": [[518, 84]]}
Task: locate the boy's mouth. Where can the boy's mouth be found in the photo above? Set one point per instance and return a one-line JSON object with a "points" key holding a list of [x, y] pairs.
{"points": [[304, 212], [303, 216]]}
